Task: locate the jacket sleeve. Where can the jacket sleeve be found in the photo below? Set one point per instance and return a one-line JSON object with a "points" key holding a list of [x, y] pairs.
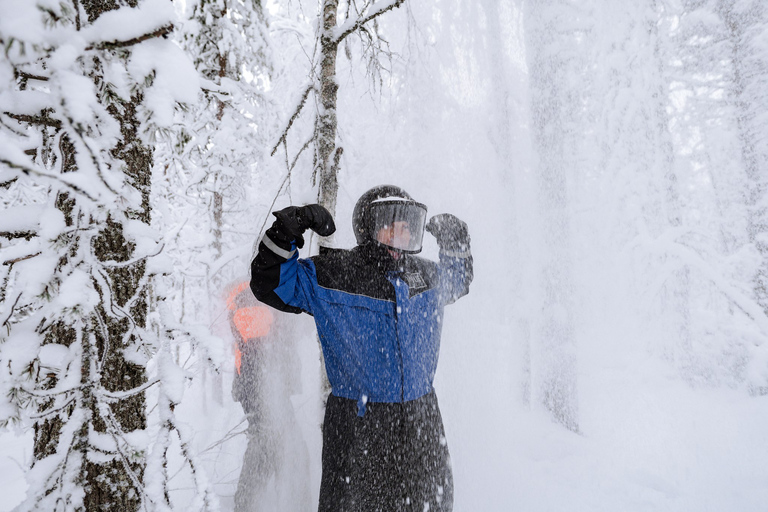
{"points": [[278, 277], [456, 273]]}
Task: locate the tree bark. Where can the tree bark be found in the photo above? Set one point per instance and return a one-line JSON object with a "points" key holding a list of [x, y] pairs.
{"points": [[326, 122], [106, 477]]}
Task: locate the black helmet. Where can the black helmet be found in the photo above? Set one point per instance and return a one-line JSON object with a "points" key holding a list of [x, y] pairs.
{"points": [[384, 207]]}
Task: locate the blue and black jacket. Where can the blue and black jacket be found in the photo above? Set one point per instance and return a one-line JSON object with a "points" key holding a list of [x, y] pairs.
{"points": [[379, 319]]}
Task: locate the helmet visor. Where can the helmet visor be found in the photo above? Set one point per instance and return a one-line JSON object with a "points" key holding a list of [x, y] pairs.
{"points": [[398, 224]]}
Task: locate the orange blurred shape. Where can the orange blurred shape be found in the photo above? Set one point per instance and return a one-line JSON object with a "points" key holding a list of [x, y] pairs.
{"points": [[253, 322], [238, 359], [231, 298]]}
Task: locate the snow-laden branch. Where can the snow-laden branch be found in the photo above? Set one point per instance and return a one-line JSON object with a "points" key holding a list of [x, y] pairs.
{"points": [[42, 173], [122, 395], [113, 45], [354, 24], [21, 258], [42, 120], [10, 235], [53, 411]]}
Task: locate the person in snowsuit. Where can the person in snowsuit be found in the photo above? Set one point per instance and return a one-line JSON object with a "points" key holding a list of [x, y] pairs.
{"points": [[378, 309], [263, 382]]}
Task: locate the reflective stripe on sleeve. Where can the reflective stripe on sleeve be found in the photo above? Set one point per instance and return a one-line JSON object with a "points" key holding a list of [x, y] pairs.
{"points": [[457, 254], [272, 246]]}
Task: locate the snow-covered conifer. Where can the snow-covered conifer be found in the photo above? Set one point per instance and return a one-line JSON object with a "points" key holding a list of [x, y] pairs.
{"points": [[86, 87]]}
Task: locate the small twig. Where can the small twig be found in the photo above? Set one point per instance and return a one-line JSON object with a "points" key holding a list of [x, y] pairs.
{"points": [[29, 76], [94, 156], [13, 308], [48, 394], [114, 429], [21, 258], [229, 435], [347, 28], [104, 333], [274, 200], [77, 14]]}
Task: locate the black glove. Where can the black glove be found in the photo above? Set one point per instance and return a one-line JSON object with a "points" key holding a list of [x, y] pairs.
{"points": [[294, 220], [450, 231]]}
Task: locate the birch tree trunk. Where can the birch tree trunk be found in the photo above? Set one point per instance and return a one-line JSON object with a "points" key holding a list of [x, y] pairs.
{"points": [[326, 122], [327, 154]]}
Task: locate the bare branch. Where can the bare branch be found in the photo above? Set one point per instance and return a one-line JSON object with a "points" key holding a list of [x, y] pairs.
{"points": [[29, 76], [293, 118], [113, 45], [352, 25], [22, 258], [229, 435]]}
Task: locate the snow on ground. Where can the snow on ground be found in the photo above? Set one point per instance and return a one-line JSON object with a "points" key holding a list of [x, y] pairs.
{"points": [[648, 441]]}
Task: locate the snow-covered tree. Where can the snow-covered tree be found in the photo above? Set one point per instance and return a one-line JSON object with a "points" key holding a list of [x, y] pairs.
{"points": [[86, 88], [709, 242], [221, 150], [207, 174]]}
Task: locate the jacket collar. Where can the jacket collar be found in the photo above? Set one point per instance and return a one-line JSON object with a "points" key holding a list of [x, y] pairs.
{"points": [[378, 256]]}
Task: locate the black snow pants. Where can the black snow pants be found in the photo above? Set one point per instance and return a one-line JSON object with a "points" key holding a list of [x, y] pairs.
{"points": [[394, 458]]}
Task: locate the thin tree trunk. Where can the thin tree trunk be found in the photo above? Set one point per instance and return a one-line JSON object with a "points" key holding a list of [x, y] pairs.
{"points": [[326, 123]]}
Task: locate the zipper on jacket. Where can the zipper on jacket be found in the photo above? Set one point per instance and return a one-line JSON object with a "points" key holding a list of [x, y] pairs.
{"points": [[399, 351]]}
